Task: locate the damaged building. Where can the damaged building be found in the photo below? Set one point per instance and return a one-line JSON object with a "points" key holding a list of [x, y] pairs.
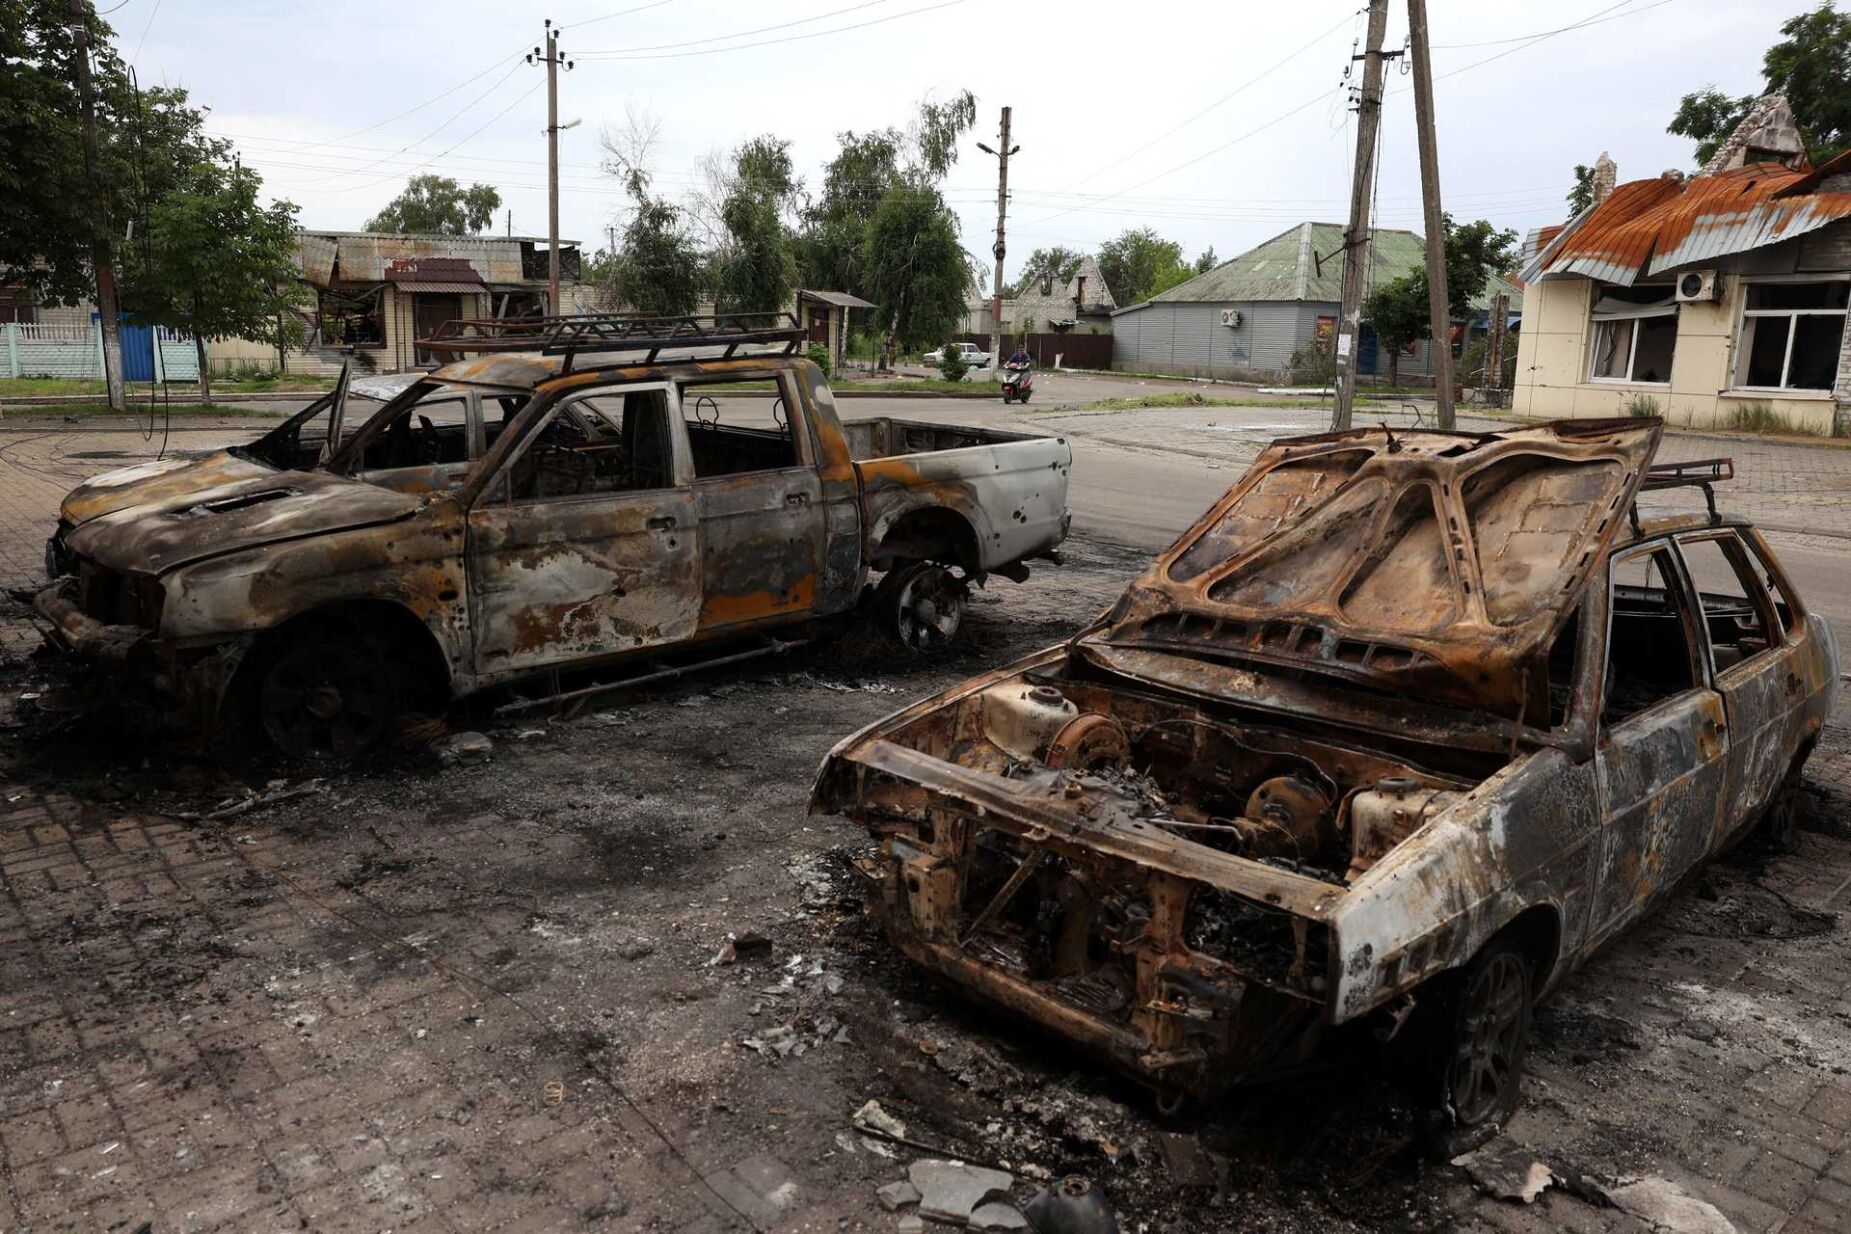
{"points": [[1716, 300]]}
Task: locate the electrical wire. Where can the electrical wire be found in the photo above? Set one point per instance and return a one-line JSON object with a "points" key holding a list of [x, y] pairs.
{"points": [[435, 98], [592, 21], [789, 38], [1523, 38], [615, 52], [443, 153], [144, 30]]}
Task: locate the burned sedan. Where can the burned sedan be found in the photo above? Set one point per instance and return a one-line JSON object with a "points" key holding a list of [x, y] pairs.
{"points": [[1389, 741]]}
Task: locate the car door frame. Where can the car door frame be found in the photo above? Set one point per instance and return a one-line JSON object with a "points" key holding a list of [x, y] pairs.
{"points": [[1647, 844], [650, 557], [1763, 695], [749, 519]]}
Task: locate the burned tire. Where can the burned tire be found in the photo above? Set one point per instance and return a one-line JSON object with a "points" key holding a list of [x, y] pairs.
{"points": [[322, 693], [920, 606], [1481, 1043]]}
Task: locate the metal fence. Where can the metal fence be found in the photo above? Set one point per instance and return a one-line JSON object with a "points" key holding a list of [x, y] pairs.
{"points": [[149, 353], [1088, 351]]}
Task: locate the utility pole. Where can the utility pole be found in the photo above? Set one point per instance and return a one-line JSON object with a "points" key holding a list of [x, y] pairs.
{"points": [[551, 58], [99, 217], [1356, 237], [1002, 153], [1437, 303]]}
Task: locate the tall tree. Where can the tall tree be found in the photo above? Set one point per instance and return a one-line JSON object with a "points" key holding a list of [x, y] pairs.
{"points": [[1054, 266], [913, 266], [1206, 260], [213, 261], [1811, 66], [657, 268], [438, 205], [835, 222], [1399, 309], [1134, 262], [756, 269]]}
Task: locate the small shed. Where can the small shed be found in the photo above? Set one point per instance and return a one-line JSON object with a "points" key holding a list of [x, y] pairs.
{"points": [[825, 315]]}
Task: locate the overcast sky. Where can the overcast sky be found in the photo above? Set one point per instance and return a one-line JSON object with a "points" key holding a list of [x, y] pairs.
{"points": [[1215, 123]]}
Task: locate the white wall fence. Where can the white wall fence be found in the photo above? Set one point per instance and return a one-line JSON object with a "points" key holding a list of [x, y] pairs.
{"points": [[76, 352]]}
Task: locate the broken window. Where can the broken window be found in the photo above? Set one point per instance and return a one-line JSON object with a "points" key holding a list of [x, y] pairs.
{"points": [[1791, 335], [1648, 641], [1634, 332], [351, 319], [617, 442], [738, 427], [1735, 603]]}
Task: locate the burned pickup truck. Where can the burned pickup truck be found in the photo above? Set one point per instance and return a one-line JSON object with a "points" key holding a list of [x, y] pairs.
{"points": [[1395, 736], [584, 491]]}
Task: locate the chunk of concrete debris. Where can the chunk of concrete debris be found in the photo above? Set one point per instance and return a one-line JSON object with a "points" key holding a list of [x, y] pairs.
{"points": [[895, 1196], [996, 1215], [1190, 1164], [1509, 1173], [465, 747], [951, 1191], [871, 1117], [911, 1224], [1667, 1207]]}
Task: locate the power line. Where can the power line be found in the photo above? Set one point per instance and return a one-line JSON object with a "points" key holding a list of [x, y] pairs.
{"points": [[1539, 34], [442, 153], [592, 21], [435, 98], [144, 30], [789, 38], [614, 52]]}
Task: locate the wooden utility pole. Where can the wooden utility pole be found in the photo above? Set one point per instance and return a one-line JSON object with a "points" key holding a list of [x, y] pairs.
{"points": [[1002, 153], [1437, 302], [99, 216], [551, 58], [1348, 342]]}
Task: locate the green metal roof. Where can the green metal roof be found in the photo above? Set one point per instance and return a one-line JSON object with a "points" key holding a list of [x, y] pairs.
{"points": [[1306, 263]]}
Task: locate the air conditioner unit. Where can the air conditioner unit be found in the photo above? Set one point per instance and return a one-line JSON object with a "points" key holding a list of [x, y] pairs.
{"points": [[1230, 317], [1698, 286]]}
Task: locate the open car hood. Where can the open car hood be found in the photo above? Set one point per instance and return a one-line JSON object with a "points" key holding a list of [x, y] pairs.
{"points": [[1439, 565]]}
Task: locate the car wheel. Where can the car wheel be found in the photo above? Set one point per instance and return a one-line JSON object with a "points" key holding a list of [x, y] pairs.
{"points": [[1488, 1036], [1780, 822], [324, 694], [920, 606]]}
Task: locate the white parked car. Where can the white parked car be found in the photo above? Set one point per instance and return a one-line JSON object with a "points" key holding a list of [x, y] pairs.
{"points": [[974, 356]]}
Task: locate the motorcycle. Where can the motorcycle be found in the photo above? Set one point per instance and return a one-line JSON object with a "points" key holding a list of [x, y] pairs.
{"points": [[1018, 382]]}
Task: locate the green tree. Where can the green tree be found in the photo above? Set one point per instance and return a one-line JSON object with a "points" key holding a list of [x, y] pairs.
{"points": [[834, 224], [213, 261], [1473, 253], [1206, 260], [1398, 312], [438, 205], [1134, 262], [912, 265], [1055, 266], [756, 269], [1811, 66], [1581, 196]]}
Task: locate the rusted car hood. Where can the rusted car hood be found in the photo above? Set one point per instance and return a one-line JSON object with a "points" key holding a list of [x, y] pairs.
{"points": [[1436, 564], [160, 515]]}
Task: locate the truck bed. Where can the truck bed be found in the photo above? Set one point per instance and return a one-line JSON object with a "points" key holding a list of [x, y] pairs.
{"points": [[1009, 488], [884, 437]]}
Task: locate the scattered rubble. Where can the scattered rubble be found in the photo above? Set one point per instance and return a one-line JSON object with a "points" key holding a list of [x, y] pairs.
{"points": [[895, 1196], [1667, 1207], [1506, 1172], [950, 1191], [464, 748]]}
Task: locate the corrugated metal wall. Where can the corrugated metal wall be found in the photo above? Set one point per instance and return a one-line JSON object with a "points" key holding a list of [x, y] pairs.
{"points": [[1188, 339]]}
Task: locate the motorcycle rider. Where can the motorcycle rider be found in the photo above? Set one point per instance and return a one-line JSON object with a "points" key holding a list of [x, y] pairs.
{"points": [[1021, 358]]}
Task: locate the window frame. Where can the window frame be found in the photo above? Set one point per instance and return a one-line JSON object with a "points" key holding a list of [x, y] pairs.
{"points": [[1739, 364], [1598, 319], [1743, 560], [680, 469], [378, 316], [795, 413], [1696, 642]]}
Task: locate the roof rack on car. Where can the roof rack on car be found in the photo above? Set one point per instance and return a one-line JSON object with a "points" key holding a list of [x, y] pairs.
{"points": [[569, 335], [1703, 473]]}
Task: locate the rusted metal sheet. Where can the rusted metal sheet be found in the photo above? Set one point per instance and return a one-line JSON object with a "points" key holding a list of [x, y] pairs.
{"points": [[1196, 853], [1650, 227]]}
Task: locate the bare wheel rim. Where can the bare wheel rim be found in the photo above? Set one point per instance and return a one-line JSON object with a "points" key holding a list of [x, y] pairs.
{"points": [[323, 701], [928, 609], [1489, 1044]]}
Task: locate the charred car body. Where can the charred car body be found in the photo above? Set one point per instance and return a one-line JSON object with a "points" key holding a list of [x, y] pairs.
{"points": [[1399, 732], [586, 491]]}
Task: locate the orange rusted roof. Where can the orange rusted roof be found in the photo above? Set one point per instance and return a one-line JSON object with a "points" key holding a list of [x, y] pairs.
{"points": [[1649, 227]]}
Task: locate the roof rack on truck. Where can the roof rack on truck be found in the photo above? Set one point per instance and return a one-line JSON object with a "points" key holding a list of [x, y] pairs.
{"points": [[1703, 473], [717, 336]]}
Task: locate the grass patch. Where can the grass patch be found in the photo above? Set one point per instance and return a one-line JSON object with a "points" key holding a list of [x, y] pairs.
{"points": [[1760, 417], [46, 387], [137, 410], [920, 385], [1641, 406], [1161, 401]]}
